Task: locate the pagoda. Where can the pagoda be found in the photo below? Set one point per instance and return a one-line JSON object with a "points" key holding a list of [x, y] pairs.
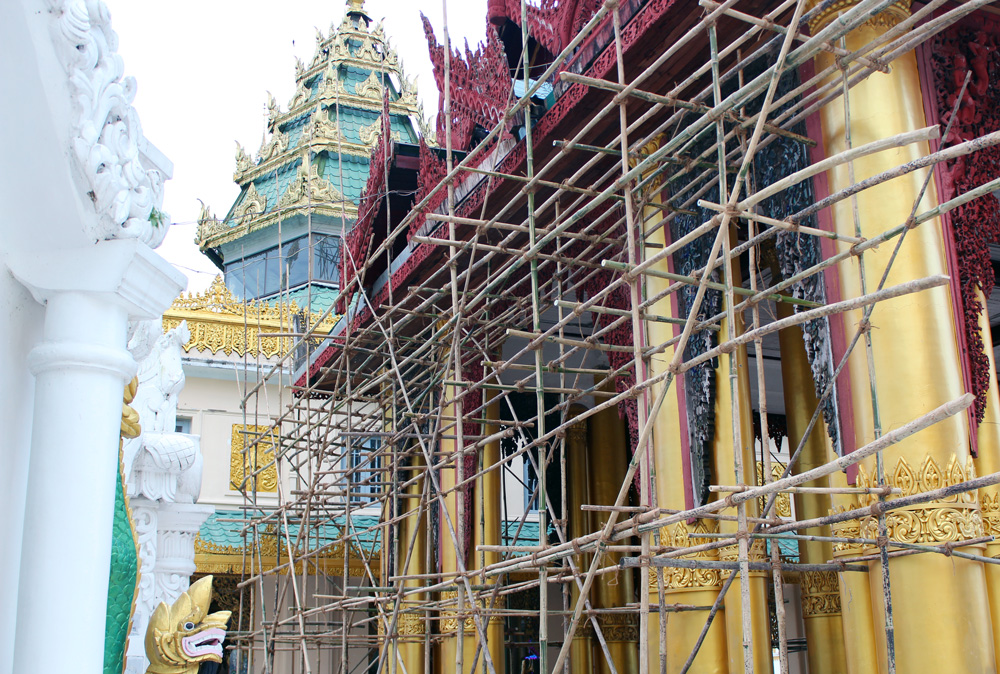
{"points": [[300, 196]]}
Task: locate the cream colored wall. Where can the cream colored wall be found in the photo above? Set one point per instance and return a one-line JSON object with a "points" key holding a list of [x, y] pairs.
{"points": [[211, 399]]}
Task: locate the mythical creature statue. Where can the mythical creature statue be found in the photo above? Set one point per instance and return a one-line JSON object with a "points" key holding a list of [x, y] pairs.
{"points": [[185, 638], [160, 462]]}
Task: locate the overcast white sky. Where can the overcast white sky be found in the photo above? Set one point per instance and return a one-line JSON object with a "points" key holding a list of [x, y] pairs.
{"points": [[203, 67]]}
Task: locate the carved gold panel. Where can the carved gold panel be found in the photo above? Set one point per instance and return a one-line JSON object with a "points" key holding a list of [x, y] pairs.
{"points": [[245, 463]]}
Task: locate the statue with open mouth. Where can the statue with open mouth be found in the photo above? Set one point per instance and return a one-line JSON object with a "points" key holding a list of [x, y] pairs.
{"points": [[185, 638]]}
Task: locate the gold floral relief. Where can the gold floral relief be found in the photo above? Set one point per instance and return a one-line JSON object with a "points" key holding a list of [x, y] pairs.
{"points": [[219, 321], [407, 625], [449, 622], [887, 18], [847, 529], [246, 458], [758, 553], [953, 518], [820, 593], [619, 627], [990, 508], [683, 535]]}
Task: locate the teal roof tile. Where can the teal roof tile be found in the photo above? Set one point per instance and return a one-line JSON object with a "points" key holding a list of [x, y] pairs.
{"points": [[401, 124], [218, 531], [528, 534], [355, 76], [294, 129], [321, 296], [350, 176], [787, 548]]}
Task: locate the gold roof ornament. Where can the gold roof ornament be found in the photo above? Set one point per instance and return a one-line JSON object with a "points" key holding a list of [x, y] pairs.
{"points": [[220, 321]]}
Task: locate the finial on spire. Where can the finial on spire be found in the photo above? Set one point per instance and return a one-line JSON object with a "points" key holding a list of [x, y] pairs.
{"points": [[356, 9]]}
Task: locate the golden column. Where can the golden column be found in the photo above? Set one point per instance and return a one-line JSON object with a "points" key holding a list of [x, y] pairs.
{"points": [[485, 522], [940, 608], [577, 460], [724, 450], [699, 587], [820, 589], [988, 462], [411, 626], [447, 552], [607, 445], [487, 531], [857, 618]]}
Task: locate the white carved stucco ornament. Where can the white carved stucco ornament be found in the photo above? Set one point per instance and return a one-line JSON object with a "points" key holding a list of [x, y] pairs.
{"points": [[157, 462], [164, 479], [106, 134]]}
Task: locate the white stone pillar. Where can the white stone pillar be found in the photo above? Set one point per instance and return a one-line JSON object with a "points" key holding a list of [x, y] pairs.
{"points": [[178, 525], [80, 369]]}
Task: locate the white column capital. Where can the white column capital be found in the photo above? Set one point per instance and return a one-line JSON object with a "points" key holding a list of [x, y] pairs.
{"points": [[125, 272], [184, 517]]}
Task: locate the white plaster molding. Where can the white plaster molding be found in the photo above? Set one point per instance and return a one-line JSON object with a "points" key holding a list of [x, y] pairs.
{"points": [[54, 355], [107, 138], [166, 533], [128, 272], [160, 463]]}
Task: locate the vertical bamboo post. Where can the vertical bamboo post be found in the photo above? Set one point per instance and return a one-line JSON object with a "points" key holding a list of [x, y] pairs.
{"points": [[820, 589]]}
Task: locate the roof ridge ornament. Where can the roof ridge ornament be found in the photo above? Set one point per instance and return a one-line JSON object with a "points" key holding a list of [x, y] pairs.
{"points": [[243, 162], [370, 88]]}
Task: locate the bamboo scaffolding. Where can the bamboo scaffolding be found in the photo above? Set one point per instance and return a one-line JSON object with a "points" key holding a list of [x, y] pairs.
{"points": [[515, 284]]}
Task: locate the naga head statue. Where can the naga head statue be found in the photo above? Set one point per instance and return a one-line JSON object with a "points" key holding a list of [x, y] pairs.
{"points": [[180, 638]]}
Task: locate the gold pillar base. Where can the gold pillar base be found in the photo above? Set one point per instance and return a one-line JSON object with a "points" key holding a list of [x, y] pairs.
{"points": [[939, 628], [621, 632], [683, 630]]}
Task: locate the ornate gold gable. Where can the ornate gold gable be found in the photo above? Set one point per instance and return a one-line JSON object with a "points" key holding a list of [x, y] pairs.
{"points": [[219, 321]]}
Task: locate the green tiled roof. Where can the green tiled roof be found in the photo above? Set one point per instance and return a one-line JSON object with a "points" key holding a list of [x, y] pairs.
{"points": [[219, 532], [321, 296], [355, 174], [341, 160], [787, 548], [294, 130], [527, 536]]}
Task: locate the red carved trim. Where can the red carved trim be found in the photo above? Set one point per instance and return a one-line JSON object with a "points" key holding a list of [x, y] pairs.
{"points": [[971, 45], [931, 116], [480, 86]]}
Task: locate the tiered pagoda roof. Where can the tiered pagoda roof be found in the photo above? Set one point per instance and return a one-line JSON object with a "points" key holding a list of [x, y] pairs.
{"points": [[314, 158]]}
